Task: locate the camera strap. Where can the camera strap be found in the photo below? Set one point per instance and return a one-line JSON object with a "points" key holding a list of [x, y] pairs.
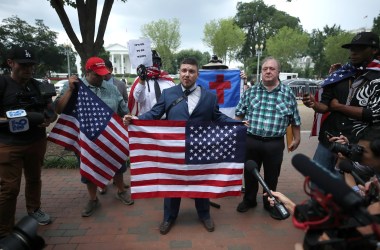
{"points": [[3, 87]]}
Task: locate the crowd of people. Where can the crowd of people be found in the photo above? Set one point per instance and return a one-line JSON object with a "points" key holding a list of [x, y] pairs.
{"points": [[351, 97]]}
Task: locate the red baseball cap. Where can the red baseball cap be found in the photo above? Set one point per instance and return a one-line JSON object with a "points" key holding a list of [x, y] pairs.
{"points": [[97, 65]]}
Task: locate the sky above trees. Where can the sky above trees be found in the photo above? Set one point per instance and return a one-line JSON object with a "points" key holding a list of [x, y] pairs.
{"points": [[127, 18]]}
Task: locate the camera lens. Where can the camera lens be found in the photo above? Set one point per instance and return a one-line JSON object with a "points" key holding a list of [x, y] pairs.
{"points": [[23, 237]]}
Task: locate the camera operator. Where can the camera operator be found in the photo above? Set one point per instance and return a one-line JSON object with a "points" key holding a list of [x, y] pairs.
{"points": [[365, 157], [22, 150], [369, 162]]}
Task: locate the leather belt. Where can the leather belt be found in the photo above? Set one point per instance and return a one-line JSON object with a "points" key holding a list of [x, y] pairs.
{"points": [[262, 138]]}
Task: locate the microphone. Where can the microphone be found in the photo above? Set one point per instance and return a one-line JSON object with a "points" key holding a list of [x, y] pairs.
{"points": [[347, 167], [342, 194], [251, 167]]}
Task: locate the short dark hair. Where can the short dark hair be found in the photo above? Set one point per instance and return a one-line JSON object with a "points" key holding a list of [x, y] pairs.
{"points": [[108, 63], [191, 61], [372, 134]]}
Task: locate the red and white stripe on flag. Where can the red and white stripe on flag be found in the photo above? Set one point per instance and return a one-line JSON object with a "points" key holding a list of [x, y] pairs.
{"points": [[159, 169], [99, 159], [319, 118]]}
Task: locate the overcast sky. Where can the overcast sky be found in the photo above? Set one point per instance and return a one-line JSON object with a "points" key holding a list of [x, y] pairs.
{"points": [[127, 18]]}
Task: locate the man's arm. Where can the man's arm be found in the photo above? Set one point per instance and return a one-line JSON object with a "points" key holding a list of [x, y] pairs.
{"points": [[350, 111], [61, 101], [296, 130], [309, 101], [139, 91]]}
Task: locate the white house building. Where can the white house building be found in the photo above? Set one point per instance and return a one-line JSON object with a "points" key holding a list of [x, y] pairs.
{"points": [[119, 57]]}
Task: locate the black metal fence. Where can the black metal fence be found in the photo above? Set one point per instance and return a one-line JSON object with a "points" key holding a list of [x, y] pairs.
{"points": [[299, 91]]}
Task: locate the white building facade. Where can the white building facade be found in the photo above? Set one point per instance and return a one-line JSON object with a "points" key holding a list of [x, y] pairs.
{"points": [[119, 56]]}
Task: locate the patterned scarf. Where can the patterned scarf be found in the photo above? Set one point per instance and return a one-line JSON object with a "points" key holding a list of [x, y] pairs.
{"points": [[347, 71]]}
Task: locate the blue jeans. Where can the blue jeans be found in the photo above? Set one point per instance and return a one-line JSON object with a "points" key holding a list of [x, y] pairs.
{"points": [[325, 158]]}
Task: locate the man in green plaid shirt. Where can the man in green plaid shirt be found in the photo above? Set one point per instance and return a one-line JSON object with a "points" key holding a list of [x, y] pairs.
{"points": [[269, 108]]}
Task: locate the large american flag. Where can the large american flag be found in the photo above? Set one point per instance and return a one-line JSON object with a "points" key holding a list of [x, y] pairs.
{"points": [[94, 132], [186, 159]]}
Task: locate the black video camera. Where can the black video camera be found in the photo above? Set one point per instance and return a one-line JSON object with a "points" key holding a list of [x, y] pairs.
{"points": [[352, 151], [33, 100], [23, 237]]}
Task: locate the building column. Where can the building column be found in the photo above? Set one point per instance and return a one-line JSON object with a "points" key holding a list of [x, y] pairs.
{"points": [[122, 64]]}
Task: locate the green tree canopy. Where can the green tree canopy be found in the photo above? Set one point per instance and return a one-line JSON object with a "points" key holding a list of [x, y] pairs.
{"points": [[14, 31], [224, 37], [202, 57], [260, 22], [333, 50], [166, 39], [376, 25], [288, 45]]}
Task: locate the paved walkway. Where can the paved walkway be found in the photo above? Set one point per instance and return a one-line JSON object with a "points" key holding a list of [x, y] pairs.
{"points": [[117, 226]]}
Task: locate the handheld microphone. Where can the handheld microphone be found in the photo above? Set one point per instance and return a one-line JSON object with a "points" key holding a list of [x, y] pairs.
{"points": [[342, 194], [252, 167], [347, 167]]}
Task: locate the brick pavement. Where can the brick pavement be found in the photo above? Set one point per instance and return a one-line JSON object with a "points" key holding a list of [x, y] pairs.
{"points": [[117, 226]]}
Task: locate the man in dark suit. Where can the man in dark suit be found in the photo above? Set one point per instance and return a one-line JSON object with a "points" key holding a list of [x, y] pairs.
{"points": [[185, 101]]}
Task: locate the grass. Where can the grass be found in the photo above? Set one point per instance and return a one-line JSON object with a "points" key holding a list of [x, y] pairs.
{"points": [[61, 162]]}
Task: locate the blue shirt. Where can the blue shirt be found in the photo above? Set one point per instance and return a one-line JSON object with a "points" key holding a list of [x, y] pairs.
{"points": [[108, 93]]}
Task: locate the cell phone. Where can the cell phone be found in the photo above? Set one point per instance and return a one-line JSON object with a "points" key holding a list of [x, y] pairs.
{"points": [[307, 89]]}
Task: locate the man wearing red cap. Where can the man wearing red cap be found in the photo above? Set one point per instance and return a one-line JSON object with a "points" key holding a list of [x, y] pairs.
{"points": [[110, 95]]}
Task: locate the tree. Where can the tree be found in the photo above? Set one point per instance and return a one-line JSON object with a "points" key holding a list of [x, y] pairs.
{"points": [[40, 38], [376, 25], [317, 48], [166, 39], [333, 50], [86, 17], [259, 22], [287, 45], [224, 37]]}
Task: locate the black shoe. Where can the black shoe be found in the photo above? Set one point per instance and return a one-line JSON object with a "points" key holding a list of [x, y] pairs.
{"points": [[274, 213], [208, 224], [165, 226], [245, 206]]}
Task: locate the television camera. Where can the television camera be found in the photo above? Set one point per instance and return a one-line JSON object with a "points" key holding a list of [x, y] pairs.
{"points": [[30, 109], [24, 236], [332, 218]]}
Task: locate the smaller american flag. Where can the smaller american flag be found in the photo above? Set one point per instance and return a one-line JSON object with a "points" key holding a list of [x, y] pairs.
{"points": [[92, 130], [186, 159], [344, 72]]}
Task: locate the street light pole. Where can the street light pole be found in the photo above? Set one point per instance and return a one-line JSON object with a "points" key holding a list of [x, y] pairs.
{"points": [[259, 52], [68, 59]]}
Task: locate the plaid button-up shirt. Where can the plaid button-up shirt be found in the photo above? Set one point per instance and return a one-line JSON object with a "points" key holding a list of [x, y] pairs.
{"points": [[268, 112]]}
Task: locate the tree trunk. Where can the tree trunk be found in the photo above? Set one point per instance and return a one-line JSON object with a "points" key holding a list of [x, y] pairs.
{"points": [[86, 15]]}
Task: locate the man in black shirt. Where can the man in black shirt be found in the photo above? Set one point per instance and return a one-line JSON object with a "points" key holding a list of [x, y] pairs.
{"points": [[351, 95], [22, 139]]}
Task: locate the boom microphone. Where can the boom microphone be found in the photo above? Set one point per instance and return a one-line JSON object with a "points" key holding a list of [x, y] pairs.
{"points": [[252, 167], [347, 167], [342, 194]]}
